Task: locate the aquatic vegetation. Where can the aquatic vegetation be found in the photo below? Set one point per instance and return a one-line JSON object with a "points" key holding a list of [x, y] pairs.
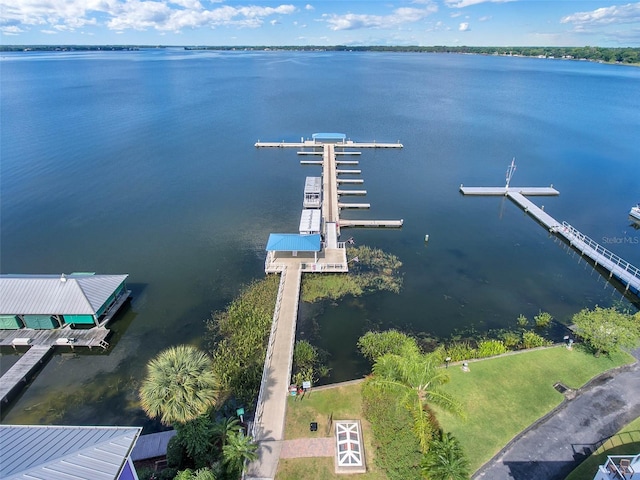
{"points": [[374, 270]]}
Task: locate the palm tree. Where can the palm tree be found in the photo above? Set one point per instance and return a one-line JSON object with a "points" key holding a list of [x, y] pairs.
{"points": [[180, 385], [224, 428], [238, 449], [416, 378], [200, 474], [445, 460]]}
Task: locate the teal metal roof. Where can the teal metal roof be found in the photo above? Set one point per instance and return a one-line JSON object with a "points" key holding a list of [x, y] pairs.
{"points": [[293, 242]]}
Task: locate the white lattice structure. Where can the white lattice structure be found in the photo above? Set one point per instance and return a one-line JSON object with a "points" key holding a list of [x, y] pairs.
{"points": [[349, 447]]}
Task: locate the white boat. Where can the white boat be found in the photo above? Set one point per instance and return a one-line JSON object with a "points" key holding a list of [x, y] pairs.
{"points": [[635, 212]]}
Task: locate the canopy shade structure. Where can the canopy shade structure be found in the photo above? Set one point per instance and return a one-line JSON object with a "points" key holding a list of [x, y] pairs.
{"points": [[293, 242], [329, 137]]}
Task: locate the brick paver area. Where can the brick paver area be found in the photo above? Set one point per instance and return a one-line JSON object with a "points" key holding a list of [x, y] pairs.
{"points": [[308, 447]]}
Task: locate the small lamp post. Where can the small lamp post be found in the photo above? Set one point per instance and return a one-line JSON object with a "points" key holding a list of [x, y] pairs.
{"points": [[446, 361]]}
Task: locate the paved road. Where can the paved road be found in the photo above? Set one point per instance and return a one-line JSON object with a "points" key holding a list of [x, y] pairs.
{"points": [[553, 447]]}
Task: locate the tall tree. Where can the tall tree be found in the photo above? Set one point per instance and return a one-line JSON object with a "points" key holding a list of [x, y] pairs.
{"points": [[416, 378], [180, 385], [445, 460]]}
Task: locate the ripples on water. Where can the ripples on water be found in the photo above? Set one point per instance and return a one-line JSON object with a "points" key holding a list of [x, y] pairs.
{"points": [[143, 163]]}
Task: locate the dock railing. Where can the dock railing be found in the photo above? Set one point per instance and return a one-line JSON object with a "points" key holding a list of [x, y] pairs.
{"points": [[572, 233], [267, 362]]}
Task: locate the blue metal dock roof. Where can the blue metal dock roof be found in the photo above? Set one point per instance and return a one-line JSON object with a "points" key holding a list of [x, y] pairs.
{"points": [[293, 242], [329, 136]]}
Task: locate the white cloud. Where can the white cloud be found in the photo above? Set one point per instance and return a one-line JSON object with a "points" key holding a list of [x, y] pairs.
{"points": [[464, 27], [352, 21], [11, 30], [309, 7], [467, 3], [120, 15], [486, 18], [616, 14]]}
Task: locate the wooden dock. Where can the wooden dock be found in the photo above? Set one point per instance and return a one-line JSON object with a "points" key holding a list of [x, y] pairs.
{"points": [[371, 223], [354, 205], [352, 192], [41, 344], [314, 144], [22, 371]]}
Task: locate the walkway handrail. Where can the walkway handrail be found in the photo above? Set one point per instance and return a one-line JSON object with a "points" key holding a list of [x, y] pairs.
{"points": [[595, 246], [293, 334], [269, 353]]}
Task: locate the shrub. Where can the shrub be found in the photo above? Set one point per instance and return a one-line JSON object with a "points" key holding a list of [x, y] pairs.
{"points": [[511, 340], [397, 450], [176, 454], [146, 473], [605, 330], [489, 348], [543, 319], [375, 344], [532, 340], [459, 351], [522, 321]]}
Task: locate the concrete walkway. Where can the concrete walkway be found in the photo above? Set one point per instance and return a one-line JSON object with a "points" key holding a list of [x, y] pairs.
{"points": [[552, 447], [269, 427]]}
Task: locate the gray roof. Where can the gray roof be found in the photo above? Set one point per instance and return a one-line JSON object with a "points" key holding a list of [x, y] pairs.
{"points": [[152, 445], [78, 294], [61, 452]]}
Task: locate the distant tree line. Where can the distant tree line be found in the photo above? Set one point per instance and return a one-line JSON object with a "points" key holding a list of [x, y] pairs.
{"points": [[625, 55]]}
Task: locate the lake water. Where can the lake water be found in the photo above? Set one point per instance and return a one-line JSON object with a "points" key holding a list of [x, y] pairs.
{"points": [[143, 163]]}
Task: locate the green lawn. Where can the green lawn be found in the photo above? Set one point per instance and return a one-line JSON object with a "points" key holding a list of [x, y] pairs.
{"points": [[501, 397], [625, 442], [504, 395], [340, 403]]}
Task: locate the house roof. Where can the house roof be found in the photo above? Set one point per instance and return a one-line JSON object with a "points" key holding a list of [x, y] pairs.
{"points": [[75, 294], [64, 452], [293, 242]]}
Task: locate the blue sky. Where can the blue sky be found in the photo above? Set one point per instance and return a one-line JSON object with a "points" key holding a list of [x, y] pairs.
{"points": [[344, 22]]}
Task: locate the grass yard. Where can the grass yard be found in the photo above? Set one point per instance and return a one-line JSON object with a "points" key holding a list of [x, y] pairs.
{"points": [[625, 442], [339, 403], [502, 396]]}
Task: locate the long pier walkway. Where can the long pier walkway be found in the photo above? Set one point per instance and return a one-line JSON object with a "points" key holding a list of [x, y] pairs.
{"points": [[617, 267], [268, 424]]}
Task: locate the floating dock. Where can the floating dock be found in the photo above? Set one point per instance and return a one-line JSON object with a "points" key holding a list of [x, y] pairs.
{"points": [[531, 191], [354, 205], [627, 274], [371, 223]]}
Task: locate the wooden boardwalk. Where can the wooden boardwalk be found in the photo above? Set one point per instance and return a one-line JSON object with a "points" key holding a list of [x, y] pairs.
{"points": [[617, 267], [22, 371]]}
